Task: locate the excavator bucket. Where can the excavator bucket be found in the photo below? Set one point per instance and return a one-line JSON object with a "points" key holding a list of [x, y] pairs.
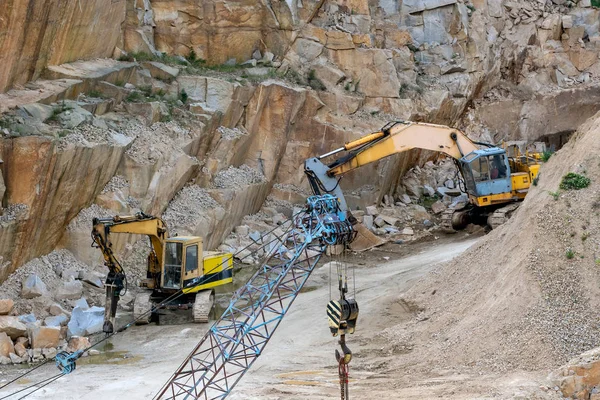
{"points": [[365, 239]]}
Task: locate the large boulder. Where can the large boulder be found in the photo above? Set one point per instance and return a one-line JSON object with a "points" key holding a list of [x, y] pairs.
{"points": [[44, 336], [12, 326], [77, 343], [85, 322], [161, 71], [6, 306], [33, 287], [70, 291], [6, 345], [56, 321], [150, 112]]}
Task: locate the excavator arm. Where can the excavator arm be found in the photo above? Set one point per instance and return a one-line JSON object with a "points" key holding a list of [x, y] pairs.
{"points": [[141, 224], [394, 138]]}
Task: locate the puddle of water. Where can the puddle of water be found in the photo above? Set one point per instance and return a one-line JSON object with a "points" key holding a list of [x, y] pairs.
{"points": [[110, 357]]}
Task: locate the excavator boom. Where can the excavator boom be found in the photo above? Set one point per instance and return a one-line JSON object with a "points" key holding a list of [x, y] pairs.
{"points": [[396, 137]]}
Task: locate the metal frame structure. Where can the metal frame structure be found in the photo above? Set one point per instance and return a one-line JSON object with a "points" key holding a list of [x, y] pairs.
{"points": [[235, 341]]}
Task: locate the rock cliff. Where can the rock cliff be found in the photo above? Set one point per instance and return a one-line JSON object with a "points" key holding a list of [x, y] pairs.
{"points": [[205, 86]]}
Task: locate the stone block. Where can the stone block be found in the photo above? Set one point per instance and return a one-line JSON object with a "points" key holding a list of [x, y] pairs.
{"points": [[6, 306], [407, 231], [20, 350], [161, 71], [86, 322], [329, 75], [368, 221], [39, 111], [405, 199], [69, 291], [438, 207], [379, 222], [391, 220], [15, 359], [338, 40], [150, 112], [428, 191], [372, 210], [308, 50], [6, 345], [219, 93], [12, 326], [44, 337], [194, 87], [49, 353], [56, 309], [582, 59], [33, 287], [56, 320], [91, 278], [567, 21]]}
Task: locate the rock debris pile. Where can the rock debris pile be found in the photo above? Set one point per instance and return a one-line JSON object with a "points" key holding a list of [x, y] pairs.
{"points": [[48, 305], [525, 297], [232, 177]]}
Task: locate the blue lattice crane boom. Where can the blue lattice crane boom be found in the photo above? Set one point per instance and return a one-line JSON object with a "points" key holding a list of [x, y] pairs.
{"points": [[238, 337]]}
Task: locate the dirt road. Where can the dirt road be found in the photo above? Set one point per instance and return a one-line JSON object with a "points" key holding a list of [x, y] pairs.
{"points": [[299, 361]]}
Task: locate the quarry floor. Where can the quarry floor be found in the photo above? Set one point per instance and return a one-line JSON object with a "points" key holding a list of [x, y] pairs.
{"points": [[299, 361]]}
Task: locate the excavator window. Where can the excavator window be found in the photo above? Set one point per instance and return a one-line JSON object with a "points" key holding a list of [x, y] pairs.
{"points": [[191, 258], [497, 166], [480, 169], [173, 261]]}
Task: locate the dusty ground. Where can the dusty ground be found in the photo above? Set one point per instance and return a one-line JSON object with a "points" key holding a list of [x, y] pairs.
{"points": [[299, 362]]}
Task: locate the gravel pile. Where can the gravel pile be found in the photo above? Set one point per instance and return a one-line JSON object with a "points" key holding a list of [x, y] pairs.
{"points": [[116, 182], [83, 220], [12, 212], [186, 209], [232, 178], [86, 135], [47, 268], [161, 141], [231, 133], [527, 296]]}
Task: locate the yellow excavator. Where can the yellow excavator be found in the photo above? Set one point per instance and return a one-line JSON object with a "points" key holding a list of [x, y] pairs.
{"points": [[179, 272], [493, 181]]}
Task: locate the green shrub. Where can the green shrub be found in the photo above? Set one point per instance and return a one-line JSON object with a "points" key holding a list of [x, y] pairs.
{"points": [[555, 195], [574, 181], [135, 97], [125, 57], [546, 155], [183, 96], [570, 254], [95, 93], [596, 3]]}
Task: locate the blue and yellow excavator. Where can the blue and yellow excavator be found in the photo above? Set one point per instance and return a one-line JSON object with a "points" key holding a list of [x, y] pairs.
{"points": [[175, 264], [493, 181]]}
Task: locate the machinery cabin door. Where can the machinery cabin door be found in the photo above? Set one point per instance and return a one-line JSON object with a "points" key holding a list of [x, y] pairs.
{"points": [[486, 174], [172, 267], [193, 261]]}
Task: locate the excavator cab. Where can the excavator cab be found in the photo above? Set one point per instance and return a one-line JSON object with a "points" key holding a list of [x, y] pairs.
{"points": [[487, 173], [183, 261], [188, 267]]}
